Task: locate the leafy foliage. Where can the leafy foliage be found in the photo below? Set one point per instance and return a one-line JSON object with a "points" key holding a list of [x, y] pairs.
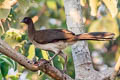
{"points": [[5, 64]]}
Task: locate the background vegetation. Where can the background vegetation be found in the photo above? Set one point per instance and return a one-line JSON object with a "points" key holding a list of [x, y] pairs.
{"points": [[98, 16]]}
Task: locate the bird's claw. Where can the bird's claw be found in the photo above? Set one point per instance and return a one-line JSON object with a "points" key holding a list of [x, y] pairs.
{"points": [[63, 71]]}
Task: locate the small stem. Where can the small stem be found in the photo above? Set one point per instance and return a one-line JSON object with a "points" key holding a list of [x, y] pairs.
{"points": [[3, 30]]}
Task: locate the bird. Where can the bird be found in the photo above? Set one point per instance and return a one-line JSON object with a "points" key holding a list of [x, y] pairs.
{"points": [[55, 40]]}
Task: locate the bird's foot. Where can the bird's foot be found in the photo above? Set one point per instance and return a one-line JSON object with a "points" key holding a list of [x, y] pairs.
{"points": [[41, 62], [50, 60], [52, 57], [63, 71]]}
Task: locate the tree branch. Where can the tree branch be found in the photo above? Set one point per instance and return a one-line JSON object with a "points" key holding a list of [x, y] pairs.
{"points": [[42, 65]]}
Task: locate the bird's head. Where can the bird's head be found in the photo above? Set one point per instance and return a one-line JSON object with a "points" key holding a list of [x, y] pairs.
{"points": [[27, 20]]}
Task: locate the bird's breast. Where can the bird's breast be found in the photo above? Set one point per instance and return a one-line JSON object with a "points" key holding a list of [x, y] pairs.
{"points": [[55, 47]]}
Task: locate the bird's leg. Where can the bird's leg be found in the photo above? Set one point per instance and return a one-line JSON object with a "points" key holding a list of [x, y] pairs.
{"points": [[62, 55], [54, 56], [65, 58]]}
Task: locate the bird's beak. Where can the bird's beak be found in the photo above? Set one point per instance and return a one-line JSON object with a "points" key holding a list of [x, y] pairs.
{"points": [[22, 21]]}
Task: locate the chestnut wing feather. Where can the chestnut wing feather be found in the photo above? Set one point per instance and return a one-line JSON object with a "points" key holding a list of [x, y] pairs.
{"points": [[52, 35]]}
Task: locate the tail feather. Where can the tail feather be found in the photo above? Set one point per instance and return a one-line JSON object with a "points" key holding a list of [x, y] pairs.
{"points": [[100, 36]]}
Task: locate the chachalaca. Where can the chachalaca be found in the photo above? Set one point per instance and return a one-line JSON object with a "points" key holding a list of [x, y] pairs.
{"points": [[56, 40]]}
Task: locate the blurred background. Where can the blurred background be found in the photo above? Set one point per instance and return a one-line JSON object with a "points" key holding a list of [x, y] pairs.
{"points": [[98, 16]]}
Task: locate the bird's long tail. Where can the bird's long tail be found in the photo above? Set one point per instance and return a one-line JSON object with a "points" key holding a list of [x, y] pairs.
{"points": [[100, 36]]}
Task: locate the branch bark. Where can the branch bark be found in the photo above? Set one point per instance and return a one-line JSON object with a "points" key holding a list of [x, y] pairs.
{"points": [[42, 65]]}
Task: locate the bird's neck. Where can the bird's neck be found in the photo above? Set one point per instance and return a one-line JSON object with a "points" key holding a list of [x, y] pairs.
{"points": [[31, 30]]}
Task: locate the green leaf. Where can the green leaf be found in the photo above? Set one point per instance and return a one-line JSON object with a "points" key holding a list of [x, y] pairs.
{"points": [[14, 64], [5, 64], [38, 53], [4, 68], [45, 54], [0, 75], [31, 52], [9, 61], [58, 62], [4, 58], [52, 4]]}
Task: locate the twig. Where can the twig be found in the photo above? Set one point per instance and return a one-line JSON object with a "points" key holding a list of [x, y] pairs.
{"points": [[3, 31]]}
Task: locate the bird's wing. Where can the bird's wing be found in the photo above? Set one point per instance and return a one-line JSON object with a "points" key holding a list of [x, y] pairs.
{"points": [[52, 35]]}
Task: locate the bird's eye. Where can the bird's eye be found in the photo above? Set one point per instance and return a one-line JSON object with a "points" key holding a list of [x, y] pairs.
{"points": [[25, 20]]}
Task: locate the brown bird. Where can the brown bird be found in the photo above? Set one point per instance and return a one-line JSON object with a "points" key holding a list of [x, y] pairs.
{"points": [[56, 40]]}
